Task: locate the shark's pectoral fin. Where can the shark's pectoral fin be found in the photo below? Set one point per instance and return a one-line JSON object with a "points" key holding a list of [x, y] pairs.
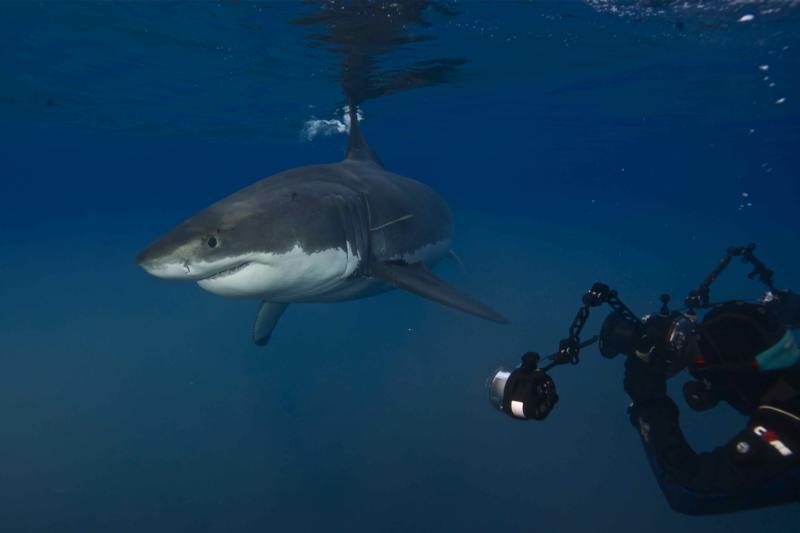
{"points": [[418, 279], [268, 315]]}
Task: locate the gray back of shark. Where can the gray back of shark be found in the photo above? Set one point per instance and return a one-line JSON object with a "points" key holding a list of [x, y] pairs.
{"points": [[320, 233]]}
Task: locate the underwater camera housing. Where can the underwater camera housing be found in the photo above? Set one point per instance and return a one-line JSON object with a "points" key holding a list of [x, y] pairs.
{"points": [[665, 338], [662, 337]]}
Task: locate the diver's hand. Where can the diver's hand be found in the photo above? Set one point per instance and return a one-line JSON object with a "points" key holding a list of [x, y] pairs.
{"points": [[644, 382]]}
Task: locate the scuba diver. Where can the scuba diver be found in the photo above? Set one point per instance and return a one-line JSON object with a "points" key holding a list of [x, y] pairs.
{"points": [[740, 353]]}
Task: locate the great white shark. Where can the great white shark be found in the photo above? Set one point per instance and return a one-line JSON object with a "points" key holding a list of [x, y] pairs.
{"points": [[318, 233]]}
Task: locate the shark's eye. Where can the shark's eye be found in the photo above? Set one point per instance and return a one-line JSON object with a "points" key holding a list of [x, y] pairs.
{"points": [[212, 242]]}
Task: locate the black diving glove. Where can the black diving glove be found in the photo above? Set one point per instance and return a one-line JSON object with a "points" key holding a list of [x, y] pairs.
{"points": [[645, 382]]}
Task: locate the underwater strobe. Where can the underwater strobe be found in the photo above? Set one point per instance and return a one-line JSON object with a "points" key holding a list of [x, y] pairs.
{"points": [[527, 392], [665, 338]]}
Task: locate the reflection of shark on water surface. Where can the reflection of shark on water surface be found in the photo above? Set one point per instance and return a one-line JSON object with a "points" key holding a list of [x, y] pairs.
{"points": [[320, 233]]}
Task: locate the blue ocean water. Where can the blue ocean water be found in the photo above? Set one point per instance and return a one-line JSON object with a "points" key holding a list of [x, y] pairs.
{"points": [[629, 142]]}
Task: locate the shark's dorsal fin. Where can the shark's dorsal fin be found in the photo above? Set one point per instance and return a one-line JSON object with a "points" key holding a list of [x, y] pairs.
{"points": [[357, 147]]}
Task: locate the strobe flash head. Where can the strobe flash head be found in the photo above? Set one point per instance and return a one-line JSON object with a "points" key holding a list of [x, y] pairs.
{"points": [[497, 387], [525, 393]]}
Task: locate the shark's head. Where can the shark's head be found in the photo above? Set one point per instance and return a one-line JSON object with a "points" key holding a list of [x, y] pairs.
{"points": [[283, 245], [213, 243], [190, 251]]}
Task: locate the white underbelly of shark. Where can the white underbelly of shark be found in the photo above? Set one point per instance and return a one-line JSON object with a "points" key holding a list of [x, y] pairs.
{"points": [[284, 277], [302, 277]]}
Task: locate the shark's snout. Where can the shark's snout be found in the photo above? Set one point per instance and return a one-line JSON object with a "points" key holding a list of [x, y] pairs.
{"points": [[143, 258], [167, 270], [160, 266]]}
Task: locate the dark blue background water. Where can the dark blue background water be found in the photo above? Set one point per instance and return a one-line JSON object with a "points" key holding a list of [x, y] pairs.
{"points": [[579, 145]]}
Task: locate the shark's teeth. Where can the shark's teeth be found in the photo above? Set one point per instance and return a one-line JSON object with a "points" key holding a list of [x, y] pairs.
{"points": [[229, 271]]}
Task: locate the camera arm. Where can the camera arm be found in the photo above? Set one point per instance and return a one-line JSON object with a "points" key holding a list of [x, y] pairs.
{"points": [[699, 297], [570, 347], [528, 392]]}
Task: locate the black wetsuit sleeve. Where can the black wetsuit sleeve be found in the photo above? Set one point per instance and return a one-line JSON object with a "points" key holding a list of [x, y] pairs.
{"points": [[750, 471]]}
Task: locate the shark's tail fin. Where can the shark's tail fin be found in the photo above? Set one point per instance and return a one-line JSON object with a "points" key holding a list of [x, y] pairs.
{"points": [[357, 147]]}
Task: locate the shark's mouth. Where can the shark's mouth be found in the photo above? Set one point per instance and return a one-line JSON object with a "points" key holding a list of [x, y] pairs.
{"points": [[229, 271]]}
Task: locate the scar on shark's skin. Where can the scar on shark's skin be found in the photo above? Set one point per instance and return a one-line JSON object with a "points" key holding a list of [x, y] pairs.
{"points": [[306, 235], [395, 221]]}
